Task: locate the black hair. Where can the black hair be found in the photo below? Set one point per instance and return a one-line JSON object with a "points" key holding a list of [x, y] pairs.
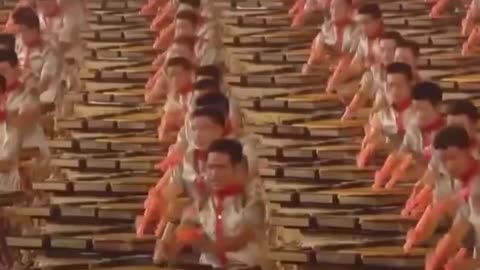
{"points": [[188, 15], [214, 99], [7, 40], [411, 45], [394, 35], [208, 71], [213, 113], [232, 148], [349, 2], [400, 68], [179, 61], [9, 56], [463, 107], [206, 84], [3, 83], [451, 136], [26, 16], [428, 91], [372, 10], [192, 3]]}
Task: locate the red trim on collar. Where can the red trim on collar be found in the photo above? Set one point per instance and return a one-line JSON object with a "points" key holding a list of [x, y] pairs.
{"points": [[399, 110], [402, 106]]}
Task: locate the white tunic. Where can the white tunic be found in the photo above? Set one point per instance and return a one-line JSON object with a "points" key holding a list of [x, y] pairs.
{"points": [[237, 210], [12, 140], [43, 61]]}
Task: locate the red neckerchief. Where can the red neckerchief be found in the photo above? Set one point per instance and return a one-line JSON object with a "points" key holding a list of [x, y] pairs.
{"points": [[427, 136], [339, 27], [399, 110], [371, 39], [468, 176], [199, 160], [220, 195], [4, 97], [185, 88], [27, 64]]}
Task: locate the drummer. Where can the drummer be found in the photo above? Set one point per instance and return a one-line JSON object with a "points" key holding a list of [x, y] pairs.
{"points": [[372, 85], [238, 240], [38, 57], [370, 21], [437, 182], [207, 124], [418, 138], [454, 150], [338, 36], [185, 24], [389, 123], [20, 119], [408, 52]]}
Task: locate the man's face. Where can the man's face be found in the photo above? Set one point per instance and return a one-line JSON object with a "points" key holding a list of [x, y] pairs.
{"points": [[462, 121], [204, 131], [425, 112], [47, 6], [220, 170], [398, 88], [367, 24], [455, 160], [405, 55], [339, 10], [179, 76], [28, 35], [386, 51]]}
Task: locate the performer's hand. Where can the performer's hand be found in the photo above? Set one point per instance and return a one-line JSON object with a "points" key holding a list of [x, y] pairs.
{"points": [[176, 207], [460, 262], [306, 69], [330, 86], [347, 115]]}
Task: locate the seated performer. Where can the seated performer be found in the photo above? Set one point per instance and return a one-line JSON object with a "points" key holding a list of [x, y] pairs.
{"points": [[37, 57], [20, 119], [338, 36], [63, 23], [177, 86], [408, 52], [185, 24], [229, 227], [206, 125], [416, 145], [389, 123], [437, 185], [178, 49], [454, 149], [372, 85], [371, 25]]}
